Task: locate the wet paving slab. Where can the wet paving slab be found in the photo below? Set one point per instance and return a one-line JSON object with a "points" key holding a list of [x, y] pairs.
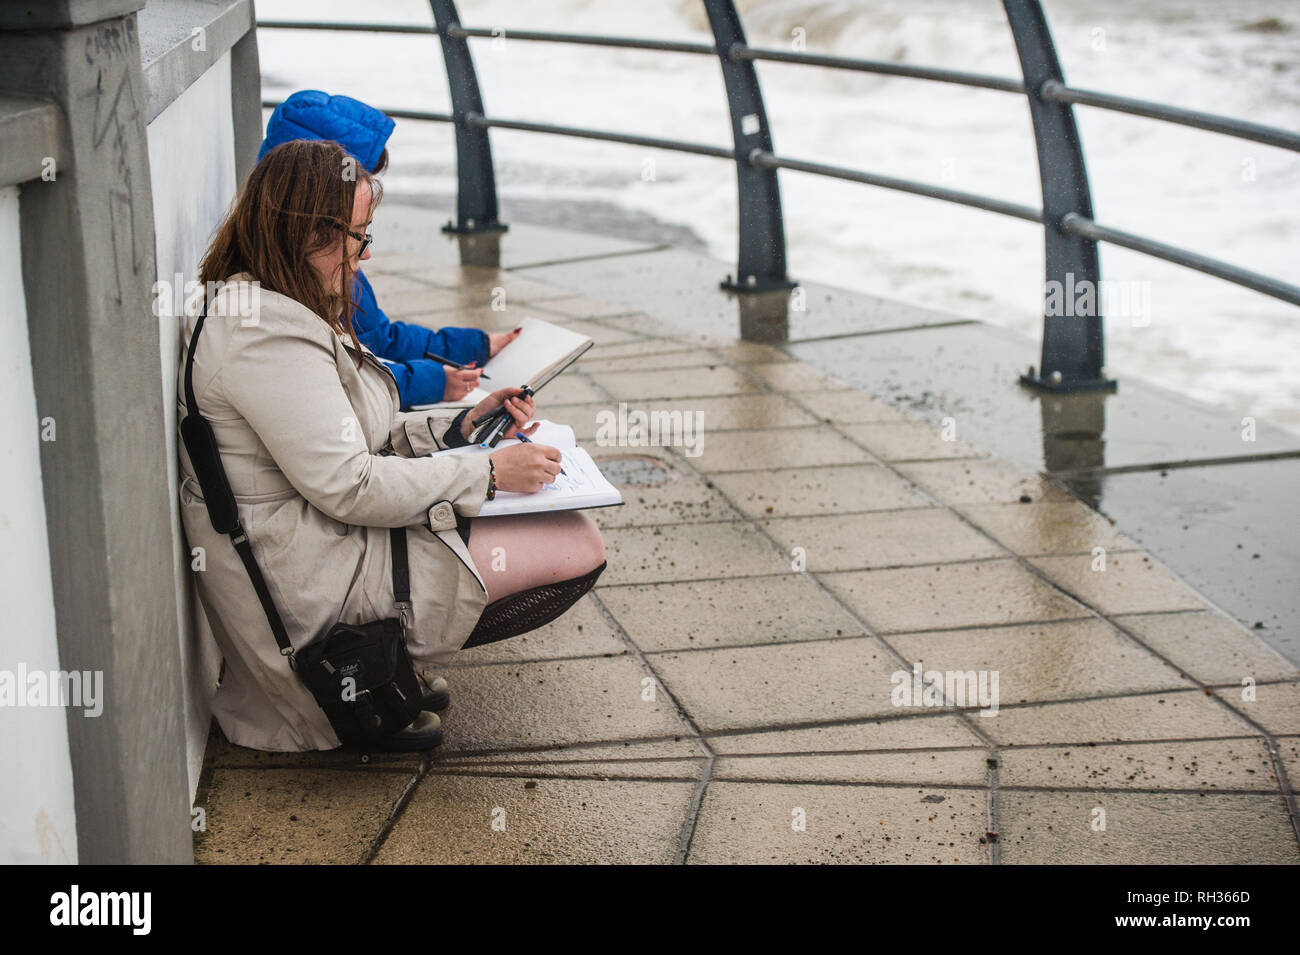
{"points": [[880, 539], [733, 611], [791, 823], [510, 820], [980, 593], [737, 688], [780, 685], [1241, 764], [1111, 828], [762, 449], [1209, 647]]}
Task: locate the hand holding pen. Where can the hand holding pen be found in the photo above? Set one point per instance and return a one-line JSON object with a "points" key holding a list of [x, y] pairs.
{"points": [[525, 467], [457, 365], [527, 440], [459, 379], [497, 413]]}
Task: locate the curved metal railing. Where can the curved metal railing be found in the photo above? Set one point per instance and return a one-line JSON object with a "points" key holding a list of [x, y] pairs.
{"points": [[1073, 343]]}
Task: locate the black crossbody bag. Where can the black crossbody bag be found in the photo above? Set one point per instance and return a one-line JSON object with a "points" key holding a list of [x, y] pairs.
{"points": [[360, 674]]}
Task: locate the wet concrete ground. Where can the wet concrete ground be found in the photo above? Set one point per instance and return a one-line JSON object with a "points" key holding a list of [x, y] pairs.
{"points": [[732, 690]]}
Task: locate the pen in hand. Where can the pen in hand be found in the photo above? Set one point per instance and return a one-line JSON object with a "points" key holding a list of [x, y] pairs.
{"points": [[527, 440], [495, 431], [454, 364], [501, 412]]}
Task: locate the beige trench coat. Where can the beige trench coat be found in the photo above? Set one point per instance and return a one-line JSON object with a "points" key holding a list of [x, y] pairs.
{"points": [[300, 418]]}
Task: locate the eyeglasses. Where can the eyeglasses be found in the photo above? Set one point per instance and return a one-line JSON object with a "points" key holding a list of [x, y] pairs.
{"points": [[365, 240]]}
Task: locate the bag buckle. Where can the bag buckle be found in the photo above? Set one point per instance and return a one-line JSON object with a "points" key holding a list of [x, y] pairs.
{"points": [[405, 614]]}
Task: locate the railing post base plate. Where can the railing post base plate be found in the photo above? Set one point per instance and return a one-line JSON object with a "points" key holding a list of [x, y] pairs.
{"points": [[758, 284], [476, 228], [1064, 387]]}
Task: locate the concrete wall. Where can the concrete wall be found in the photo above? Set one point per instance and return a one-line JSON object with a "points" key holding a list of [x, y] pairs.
{"points": [[192, 165], [38, 822], [144, 118]]}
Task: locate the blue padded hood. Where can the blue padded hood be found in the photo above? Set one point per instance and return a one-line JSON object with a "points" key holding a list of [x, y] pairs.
{"points": [[310, 114]]}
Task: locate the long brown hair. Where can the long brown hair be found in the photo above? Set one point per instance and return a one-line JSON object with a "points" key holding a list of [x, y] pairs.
{"points": [[290, 207]]}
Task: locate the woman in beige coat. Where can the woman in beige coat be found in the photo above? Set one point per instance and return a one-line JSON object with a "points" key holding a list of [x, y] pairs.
{"points": [[322, 463]]}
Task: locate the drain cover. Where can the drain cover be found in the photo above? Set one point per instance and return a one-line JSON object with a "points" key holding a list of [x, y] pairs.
{"points": [[636, 470]]}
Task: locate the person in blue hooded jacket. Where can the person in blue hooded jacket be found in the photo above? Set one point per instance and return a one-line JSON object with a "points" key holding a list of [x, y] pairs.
{"points": [[363, 131]]}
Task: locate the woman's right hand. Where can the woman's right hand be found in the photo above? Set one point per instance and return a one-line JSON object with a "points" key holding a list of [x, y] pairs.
{"points": [[525, 467]]}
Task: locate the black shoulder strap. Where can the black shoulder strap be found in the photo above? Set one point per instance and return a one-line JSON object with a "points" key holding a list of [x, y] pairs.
{"points": [[401, 575], [201, 443]]}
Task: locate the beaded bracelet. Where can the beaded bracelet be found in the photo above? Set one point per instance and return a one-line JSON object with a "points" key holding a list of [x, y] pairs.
{"points": [[492, 480]]}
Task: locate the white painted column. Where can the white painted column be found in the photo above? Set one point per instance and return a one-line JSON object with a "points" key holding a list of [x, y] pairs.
{"points": [[38, 824]]}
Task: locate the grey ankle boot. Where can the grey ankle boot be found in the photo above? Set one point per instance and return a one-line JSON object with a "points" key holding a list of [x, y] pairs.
{"points": [[425, 732], [439, 696]]}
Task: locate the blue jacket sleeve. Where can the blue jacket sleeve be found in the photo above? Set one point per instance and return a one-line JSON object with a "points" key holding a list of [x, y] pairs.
{"points": [[398, 341], [419, 380], [460, 344]]}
